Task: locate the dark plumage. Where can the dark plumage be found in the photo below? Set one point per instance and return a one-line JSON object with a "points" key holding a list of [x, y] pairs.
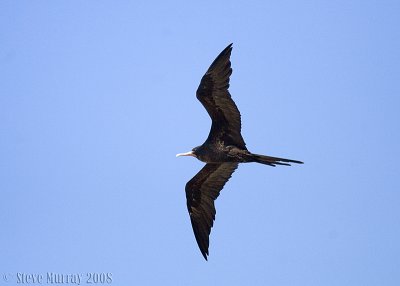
{"points": [[223, 150]]}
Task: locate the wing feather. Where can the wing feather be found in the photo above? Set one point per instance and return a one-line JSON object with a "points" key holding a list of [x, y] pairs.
{"points": [[214, 95], [201, 192]]}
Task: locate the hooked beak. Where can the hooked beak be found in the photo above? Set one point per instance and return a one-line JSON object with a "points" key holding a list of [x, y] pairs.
{"points": [[190, 153]]}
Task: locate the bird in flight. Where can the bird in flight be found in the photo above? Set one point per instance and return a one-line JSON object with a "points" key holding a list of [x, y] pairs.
{"points": [[222, 152]]}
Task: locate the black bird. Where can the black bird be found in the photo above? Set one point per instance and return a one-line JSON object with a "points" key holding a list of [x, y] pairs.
{"points": [[223, 150]]}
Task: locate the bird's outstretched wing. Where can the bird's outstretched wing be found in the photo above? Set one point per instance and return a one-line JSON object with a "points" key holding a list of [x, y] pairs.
{"points": [[214, 95], [201, 191]]}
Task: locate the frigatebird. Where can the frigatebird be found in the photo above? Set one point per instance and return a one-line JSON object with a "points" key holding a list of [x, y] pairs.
{"points": [[223, 150]]}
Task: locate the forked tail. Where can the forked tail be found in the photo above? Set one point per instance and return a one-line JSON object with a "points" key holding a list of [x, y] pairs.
{"points": [[272, 161]]}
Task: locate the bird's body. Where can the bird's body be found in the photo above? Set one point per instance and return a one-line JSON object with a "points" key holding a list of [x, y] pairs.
{"points": [[223, 150], [219, 153]]}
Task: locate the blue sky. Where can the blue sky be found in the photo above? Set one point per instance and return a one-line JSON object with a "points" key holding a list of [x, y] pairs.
{"points": [[97, 97]]}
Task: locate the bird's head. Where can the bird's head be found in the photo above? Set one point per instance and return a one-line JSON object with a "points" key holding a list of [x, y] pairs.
{"points": [[192, 153]]}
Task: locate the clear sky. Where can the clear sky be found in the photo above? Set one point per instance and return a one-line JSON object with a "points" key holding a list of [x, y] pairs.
{"points": [[97, 97]]}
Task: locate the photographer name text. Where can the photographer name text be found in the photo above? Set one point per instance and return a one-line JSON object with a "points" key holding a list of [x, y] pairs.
{"points": [[59, 278]]}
